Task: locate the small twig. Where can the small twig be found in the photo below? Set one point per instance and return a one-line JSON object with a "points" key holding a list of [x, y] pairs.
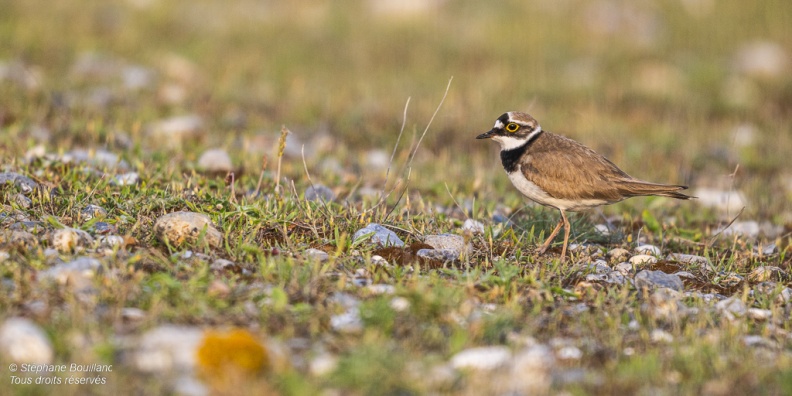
{"points": [[261, 175], [281, 148], [418, 145], [714, 237], [308, 175], [229, 181]]}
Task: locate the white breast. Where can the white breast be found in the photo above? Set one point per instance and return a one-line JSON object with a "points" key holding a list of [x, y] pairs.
{"points": [[532, 191]]}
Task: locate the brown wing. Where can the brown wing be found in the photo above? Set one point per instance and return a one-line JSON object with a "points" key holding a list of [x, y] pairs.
{"points": [[566, 169]]}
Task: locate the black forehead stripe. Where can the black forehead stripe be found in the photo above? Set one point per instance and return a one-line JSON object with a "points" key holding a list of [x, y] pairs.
{"points": [[504, 118]]}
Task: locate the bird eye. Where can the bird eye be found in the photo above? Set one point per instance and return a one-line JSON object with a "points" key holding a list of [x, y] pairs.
{"points": [[512, 127]]}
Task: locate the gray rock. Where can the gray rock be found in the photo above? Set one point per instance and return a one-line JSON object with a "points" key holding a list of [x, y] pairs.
{"points": [[654, 279], [687, 259], [81, 267], [22, 341], [448, 241], [759, 314], [316, 255], [319, 192], [624, 268], [102, 159], [92, 211], [23, 201], [481, 358], [381, 236], [732, 307], [22, 240], [444, 255], [187, 228], [348, 322], [381, 288], [215, 160], [25, 184]]}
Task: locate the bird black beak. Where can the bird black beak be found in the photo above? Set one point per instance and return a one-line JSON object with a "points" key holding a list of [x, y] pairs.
{"points": [[487, 135]]}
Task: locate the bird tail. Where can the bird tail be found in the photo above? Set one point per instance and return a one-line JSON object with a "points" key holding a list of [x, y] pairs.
{"points": [[639, 187]]}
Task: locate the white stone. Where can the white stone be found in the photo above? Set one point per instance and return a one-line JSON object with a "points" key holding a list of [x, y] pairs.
{"points": [[179, 228], [687, 258], [648, 249], [381, 235], [473, 226], [168, 348], [661, 336], [642, 259], [348, 322], [81, 267], [381, 288], [215, 160], [22, 341], [67, 240], [763, 59], [322, 365], [400, 304], [448, 241], [726, 201], [481, 358]]}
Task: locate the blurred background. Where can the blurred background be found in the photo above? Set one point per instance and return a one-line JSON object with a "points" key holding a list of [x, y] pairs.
{"points": [[684, 91]]}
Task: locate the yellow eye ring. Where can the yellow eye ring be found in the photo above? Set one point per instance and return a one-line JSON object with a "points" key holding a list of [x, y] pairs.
{"points": [[512, 127]]}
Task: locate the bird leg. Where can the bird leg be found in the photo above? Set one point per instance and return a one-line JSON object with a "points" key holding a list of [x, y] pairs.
{"points": [[567, 228], [553, 234]]}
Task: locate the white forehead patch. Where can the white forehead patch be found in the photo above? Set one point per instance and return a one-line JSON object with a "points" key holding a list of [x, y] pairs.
{"points": [[498, 124]]}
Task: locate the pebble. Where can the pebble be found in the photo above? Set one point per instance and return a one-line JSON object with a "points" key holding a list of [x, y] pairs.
{"points": [[125, 179], [102, 159], [531, 369], [762, 59], [68, 240], [348, 322], [602, 229], [642, 259], [319, 192], [22, 240], [473, 226], [748, 229], [377, 159], [22, 201], [112, 241], [759, 314], [732, 307], [624, 268], [400, 304], [224, 265], [448, 241], [215, 160], [648, 249], [25, 184], [81, 267], [768, 273], [444, 255], [481, 358], [22, 341], [661, 336], [654, 279], [381, 236], [322, 364], [181, 228], [316, 255], [92, 211], [381, 288], [176, 130], [168, 348], [618, 255], [687, 258]]}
